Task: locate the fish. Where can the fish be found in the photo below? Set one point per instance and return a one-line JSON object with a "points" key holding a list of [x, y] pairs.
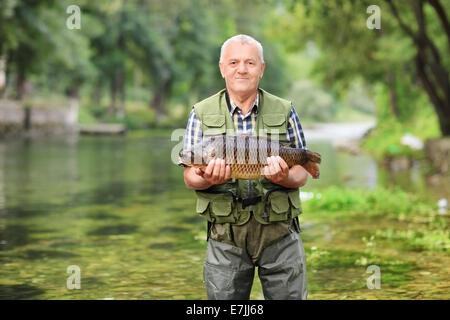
{"points": [[247, 155]]}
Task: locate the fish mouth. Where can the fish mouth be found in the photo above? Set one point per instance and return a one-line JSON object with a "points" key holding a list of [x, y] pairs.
{"points": [[187, 159], [182, 159]]}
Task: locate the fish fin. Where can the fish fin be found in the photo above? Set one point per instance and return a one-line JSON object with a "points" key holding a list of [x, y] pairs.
{"points": [[313, 169], [314, 156]]}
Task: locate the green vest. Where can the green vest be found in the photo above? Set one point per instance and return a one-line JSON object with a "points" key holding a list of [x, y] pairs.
{"points": [[226, 203]]}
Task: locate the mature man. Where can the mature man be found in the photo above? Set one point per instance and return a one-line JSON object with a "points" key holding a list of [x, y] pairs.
{"points": [[260, 228]]}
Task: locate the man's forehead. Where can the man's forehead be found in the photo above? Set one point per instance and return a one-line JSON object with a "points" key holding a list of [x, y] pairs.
{"points": [[240, 50]]}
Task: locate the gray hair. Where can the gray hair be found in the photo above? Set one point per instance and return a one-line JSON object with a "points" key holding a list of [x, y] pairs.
{"points": [[242, 38]]}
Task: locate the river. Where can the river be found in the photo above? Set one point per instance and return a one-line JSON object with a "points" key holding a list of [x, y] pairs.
{"points": [[117, 209]]}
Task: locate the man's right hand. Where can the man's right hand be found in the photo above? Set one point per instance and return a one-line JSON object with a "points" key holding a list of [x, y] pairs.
{"points": [[216, 172]]}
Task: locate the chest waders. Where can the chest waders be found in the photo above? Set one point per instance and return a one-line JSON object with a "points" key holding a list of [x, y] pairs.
{"points": [[233, 201]]}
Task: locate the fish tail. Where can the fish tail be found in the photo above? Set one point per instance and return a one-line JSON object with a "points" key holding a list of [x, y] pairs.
{"points": [[313, 169], [313, 156]]}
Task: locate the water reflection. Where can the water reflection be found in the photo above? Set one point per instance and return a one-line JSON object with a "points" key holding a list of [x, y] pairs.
{"points": [[19, 291], [113, 230], [342, 169]]}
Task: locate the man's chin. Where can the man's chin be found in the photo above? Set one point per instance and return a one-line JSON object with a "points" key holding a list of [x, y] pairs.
{"points": [[243, 89]]}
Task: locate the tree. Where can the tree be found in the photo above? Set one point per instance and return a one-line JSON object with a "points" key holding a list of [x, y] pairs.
{"points": [[35, 40], [432, 70], [407, 54]]}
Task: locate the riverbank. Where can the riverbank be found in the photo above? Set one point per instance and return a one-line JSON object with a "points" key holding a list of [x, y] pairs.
{"points": [[346, 231]]}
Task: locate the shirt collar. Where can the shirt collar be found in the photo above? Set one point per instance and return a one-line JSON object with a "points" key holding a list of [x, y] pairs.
{"points": [[255, 105]]}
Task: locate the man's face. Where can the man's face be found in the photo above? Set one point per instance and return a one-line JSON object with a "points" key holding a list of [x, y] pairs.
{"points": [[241, 66]]}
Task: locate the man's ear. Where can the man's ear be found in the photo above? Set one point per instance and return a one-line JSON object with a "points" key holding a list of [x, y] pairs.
{"points": [[221, 69], [263, 66]]}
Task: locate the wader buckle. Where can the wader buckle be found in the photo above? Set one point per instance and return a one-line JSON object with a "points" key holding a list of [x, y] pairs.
{"points": [[249, 201]]}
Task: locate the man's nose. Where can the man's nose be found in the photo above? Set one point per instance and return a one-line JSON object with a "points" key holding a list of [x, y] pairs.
{"points": [[242, 68]]}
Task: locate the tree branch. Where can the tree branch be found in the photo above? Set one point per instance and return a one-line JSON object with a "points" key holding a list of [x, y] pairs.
{"points": [[439, 72], [400, 21], [442, 16]]}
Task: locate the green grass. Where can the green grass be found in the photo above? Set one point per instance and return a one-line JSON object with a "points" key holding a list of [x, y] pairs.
{"points": [[380, 201]]}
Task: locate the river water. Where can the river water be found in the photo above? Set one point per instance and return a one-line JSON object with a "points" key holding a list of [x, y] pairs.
{"points": [[117, 210]]}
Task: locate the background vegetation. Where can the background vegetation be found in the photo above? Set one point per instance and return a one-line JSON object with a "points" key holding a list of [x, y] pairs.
{"points": [[145, 62]]}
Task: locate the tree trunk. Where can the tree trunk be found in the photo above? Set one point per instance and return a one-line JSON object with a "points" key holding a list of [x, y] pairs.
{"points": [[3, 63], [113, 95], [159, 99], [121, 90], [74, 91], [390, 80], [97, 93], [20, 83]]}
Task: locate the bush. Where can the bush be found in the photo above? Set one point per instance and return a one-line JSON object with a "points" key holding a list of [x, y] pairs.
{"points": [[139, 119], [85, 116]]}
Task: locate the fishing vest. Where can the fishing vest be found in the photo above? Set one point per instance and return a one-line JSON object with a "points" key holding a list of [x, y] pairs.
{"points": [[231, 202]]}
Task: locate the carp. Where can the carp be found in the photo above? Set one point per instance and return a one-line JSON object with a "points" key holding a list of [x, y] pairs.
{"points": [[247, 155]]}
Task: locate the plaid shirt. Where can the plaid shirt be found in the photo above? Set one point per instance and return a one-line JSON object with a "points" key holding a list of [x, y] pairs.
{"points": [[243, 125]]}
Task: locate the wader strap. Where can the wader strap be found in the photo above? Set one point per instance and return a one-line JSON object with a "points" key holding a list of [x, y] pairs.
{"points": [[229, 231], [296, 224], [208, 230]]}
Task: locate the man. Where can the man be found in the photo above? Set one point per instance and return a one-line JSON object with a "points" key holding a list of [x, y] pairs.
{"points": [[250, 222]]}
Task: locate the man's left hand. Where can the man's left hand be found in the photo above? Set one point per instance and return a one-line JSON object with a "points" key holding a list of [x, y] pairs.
{"points": [[276, 170]]}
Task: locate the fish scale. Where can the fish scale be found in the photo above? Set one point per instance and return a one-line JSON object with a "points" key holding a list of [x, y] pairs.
{"points": [[247, 155]]}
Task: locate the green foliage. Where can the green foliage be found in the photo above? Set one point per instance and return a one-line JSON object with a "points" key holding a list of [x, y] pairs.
{"points": [[137, 116], [415, 222], [341, 202], [350, 51], [139, 119], [169, 49], [385, 139], [438, 239], [85, 116]]}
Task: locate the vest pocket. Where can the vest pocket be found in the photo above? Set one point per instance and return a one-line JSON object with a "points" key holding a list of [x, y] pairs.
{"points": [[274, 124], [294, 199], [218, 208], [278, 206], [221, 208], [214, 124]]}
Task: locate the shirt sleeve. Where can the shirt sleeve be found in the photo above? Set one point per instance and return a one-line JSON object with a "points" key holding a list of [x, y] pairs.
{"points": [[194, 132], [294, 131]]}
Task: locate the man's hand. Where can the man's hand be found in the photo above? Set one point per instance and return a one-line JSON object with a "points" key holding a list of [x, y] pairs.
{"points": [[276, 170], [216, 172]]}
